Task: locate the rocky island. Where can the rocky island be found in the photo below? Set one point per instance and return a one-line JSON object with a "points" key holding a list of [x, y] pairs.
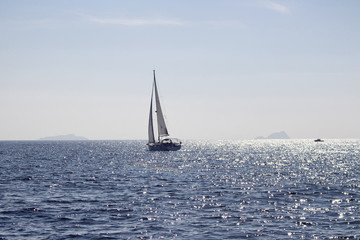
{"points": [[69, 137], [276, 135]]}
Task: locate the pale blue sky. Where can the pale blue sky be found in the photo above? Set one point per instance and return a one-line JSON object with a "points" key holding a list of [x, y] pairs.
{"points": [[226, 69]]}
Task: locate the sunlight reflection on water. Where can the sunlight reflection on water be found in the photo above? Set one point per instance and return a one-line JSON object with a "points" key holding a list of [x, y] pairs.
{"points": [[244, 189]]}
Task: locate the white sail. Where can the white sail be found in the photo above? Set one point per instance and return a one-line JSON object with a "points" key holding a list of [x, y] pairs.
{"points": [[151, 126], [162, 130]]}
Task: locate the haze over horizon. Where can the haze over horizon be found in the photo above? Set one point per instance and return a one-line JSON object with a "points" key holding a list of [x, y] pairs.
{"points": [[225, 69]]}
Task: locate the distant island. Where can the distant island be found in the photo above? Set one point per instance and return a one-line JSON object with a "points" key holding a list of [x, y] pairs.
{"points": [[276, 135], [69, 137]]}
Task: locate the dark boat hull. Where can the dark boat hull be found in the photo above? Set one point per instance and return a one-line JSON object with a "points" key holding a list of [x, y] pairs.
{"points": [[164, 147]]}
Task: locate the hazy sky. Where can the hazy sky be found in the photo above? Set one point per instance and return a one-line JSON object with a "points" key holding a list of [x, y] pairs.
{"points": [[226, 69]]}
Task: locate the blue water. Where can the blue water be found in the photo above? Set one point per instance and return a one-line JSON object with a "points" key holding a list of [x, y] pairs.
{"points": [[261, 189]]}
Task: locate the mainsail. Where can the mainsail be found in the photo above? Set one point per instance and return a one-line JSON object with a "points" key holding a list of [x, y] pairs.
{"points": [[162, 130]]}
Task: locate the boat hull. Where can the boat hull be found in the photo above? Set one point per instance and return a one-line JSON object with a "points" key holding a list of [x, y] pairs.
{"points": [[164, 147]]}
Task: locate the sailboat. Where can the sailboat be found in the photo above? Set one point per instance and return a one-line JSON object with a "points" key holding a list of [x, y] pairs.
{"points": [[163, 141]]}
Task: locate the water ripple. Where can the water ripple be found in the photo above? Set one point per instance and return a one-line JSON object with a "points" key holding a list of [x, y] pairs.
{"points": [[294, 189]]}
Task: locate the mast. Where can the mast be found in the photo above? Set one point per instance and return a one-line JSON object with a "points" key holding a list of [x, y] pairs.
{"points": [[162, 130]]}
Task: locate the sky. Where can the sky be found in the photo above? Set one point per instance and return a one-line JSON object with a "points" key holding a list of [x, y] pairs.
{"points": [[229, 69]]}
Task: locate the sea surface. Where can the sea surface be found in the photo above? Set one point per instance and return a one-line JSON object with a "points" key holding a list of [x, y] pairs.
{"points": [[259, 189]]}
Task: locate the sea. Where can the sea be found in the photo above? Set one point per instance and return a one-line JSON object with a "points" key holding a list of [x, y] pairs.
{"points": [[249, 189]]}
